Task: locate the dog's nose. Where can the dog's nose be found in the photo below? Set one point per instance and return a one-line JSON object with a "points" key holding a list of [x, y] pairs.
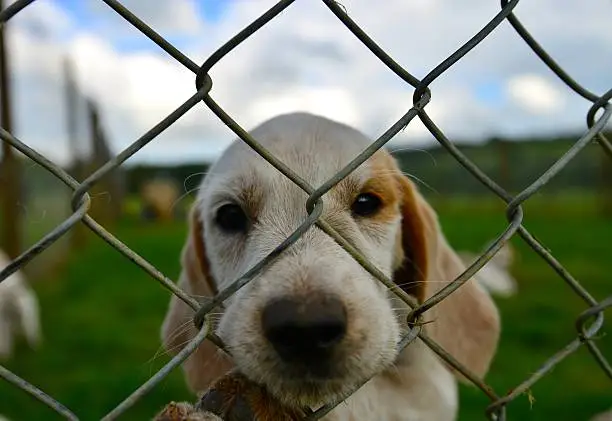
{"points": [[304, 330]]}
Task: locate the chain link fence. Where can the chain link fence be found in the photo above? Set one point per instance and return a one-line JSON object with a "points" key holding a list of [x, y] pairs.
{"points": [[587, 325]]}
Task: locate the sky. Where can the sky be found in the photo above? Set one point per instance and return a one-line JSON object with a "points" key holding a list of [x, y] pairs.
{"points": [[304, 60]]}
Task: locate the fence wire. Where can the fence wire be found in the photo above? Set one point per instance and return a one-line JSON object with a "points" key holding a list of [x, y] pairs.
{"points": [[588, 324]]}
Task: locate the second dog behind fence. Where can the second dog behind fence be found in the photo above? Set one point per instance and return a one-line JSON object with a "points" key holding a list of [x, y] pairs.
{"points": [[496, 275], [315, 324], [19, 312]]}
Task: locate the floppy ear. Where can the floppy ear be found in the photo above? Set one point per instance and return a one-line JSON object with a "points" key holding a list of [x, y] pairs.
{"points": [[466, 323], [208, 362]]}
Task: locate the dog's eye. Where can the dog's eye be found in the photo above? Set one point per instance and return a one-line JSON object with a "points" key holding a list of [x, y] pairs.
{"points": [[231, 218], [366, 204]]}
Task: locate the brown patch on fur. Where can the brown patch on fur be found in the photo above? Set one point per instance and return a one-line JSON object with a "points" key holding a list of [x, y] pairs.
{"points": [[382, 184], [251, 198], [346, 190], [199, 255], [466, 323], [398, 195], [207, 362], [412, 272], [246, 190]]}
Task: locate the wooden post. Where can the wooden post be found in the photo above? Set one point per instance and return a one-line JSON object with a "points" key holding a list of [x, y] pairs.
{"points": [[606, 181], [106, 198], [10, 171], [504, 164], [71, 115], [78, 232]]}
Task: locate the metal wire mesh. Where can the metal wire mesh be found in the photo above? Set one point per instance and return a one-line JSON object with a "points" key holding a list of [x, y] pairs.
{"points": [[588, 323]]}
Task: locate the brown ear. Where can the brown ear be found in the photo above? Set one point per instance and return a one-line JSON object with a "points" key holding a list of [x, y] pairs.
{"points": [[466, 323], [208, 362]]}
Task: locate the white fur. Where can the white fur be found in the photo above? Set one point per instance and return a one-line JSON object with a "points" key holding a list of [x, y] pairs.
{"points": [[603, 416], [412, 386], [19, 312], [315, 262], [495, 275]]}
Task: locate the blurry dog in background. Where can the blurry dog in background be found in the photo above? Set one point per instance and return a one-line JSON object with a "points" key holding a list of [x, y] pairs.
{"points": [[495, 275], [19, 312]]}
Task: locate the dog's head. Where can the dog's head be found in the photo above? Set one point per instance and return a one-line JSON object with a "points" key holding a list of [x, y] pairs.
{"points": [[314, 324]]}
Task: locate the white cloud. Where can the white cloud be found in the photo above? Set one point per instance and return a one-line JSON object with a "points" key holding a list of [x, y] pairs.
{"points": [[535, 93], [171, 18], [326, 101], [306, 60], [46, 19]]}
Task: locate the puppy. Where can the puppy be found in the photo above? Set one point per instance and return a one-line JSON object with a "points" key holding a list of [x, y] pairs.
{"points": [[495, 275], [314, 324], [19, 312]]}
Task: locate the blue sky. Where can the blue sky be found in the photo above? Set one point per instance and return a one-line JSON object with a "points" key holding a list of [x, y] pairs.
{"points": [[94, 16], [210, 10], [305, 60], [489, 92]]}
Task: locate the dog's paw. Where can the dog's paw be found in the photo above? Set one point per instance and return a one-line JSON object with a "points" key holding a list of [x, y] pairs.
{"points": [[183, 411], [231, 398], [234, 398]]}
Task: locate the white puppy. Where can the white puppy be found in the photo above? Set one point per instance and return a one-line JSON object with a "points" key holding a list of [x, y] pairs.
{"points": [[495, 275], [315, 324], [19, 311]]}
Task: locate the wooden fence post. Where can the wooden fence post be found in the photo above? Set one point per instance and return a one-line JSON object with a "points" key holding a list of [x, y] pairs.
{"points": [[10, 171]]}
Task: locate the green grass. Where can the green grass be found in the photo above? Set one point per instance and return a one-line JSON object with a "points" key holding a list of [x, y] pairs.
{"points": [[540, 319], [101, 319]]}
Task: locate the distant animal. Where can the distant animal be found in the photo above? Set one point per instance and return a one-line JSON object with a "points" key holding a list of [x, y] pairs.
{"points": [[19, 311], [159, 197], [603, 416], [495, 275], [315, 324]]}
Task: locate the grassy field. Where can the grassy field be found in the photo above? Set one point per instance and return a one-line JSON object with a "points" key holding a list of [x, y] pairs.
{"points": [[101, 319]]}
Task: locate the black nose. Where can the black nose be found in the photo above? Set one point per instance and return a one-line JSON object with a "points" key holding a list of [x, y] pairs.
{"points": [[304, 330]]}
